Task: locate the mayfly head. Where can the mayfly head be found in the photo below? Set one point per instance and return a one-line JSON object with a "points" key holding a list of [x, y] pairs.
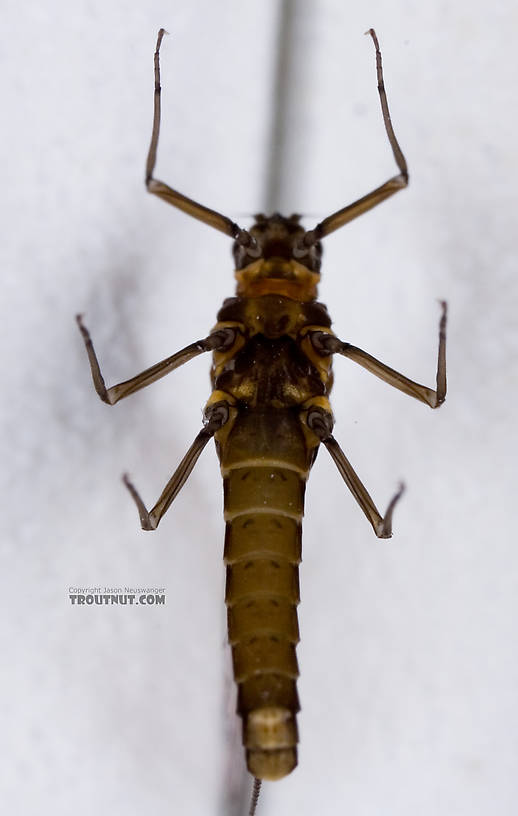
{"points": [[275, 258], [275, 236]]}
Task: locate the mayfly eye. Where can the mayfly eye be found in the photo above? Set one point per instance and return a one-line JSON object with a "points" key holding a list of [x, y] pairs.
{"points": [[270, 389]]}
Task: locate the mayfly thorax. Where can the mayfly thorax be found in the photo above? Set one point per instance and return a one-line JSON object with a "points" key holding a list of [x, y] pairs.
{"points": [[268, 413]]}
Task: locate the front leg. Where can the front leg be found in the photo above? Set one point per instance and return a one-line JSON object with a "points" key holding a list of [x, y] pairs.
{"points": [[375, 197]]}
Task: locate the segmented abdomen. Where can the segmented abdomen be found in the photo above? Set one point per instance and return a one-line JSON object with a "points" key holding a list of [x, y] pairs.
{"points": [[265, 463]]}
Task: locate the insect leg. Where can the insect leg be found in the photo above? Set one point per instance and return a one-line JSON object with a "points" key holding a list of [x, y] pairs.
{"points": [[216, 415], [218, 340], [173, 197], [372, 199], [321, 424], [328, 344]]}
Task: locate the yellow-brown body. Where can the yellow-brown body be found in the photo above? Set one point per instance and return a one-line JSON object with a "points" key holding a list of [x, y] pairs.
{"points": [[270, 377]]}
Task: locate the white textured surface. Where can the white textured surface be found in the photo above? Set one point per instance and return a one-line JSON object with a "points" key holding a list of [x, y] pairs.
{"points": [[408, 658]]}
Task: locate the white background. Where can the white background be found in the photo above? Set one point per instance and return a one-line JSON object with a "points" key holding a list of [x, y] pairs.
{"points": [[409, 668]]}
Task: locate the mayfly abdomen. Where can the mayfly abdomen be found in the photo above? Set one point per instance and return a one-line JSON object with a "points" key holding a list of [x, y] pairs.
{"points": [[265, 465]]}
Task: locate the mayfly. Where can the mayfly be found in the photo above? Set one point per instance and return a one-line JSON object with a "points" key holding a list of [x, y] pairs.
{"points": [[268, 413]]}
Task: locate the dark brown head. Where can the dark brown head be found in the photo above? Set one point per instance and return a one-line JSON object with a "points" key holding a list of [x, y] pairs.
{"points": [[275, 236]]}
